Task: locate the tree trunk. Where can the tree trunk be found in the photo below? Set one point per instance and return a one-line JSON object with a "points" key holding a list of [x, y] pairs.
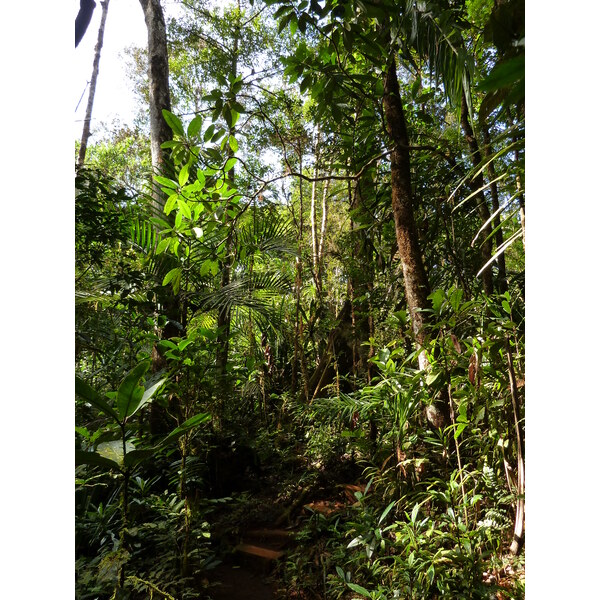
{"points": [[160, 99], [361, 277], [499, 237], [519, 531], [416, 283], [224, 317], [482, 207], [85, 136], [160, 132]]}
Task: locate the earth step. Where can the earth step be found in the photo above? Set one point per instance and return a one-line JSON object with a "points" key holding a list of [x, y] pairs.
{"points": [[257, 558], [260, 552]]}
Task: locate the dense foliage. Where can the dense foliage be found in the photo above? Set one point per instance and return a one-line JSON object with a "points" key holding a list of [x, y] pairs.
{"points": [[313, 316]]}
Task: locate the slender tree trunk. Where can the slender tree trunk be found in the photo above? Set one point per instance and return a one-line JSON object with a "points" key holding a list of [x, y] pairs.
{"points": [[160, 99], [499, 237], [360, 280], [160, 132], [415, 278], [416, 283], [323, 229], [313, 220], [519, 531], [482, 207], [224, 317], [85, 136], [521, 197]]}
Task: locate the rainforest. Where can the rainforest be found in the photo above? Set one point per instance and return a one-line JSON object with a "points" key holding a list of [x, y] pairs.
{"points": [[300, 304]]}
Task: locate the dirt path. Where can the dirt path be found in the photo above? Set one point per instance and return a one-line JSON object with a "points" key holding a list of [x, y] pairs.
{"points": [[240, 582]]}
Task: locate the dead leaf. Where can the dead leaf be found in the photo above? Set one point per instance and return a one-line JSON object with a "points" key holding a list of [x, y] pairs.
{"points": [[456, 343], [473, 368]]}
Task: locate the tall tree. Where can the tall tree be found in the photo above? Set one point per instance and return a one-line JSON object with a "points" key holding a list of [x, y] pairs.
{"points": [[160, 98], [416, 283]]}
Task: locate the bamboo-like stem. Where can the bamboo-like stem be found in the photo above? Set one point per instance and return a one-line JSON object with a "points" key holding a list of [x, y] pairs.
{"points": [[458, 458], [519, 532]]}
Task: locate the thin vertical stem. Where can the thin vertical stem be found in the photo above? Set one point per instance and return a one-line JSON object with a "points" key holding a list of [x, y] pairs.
{"points": [[85, 136]]}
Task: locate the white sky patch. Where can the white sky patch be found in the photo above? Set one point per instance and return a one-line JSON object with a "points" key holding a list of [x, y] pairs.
{"points": [[114, 98]]}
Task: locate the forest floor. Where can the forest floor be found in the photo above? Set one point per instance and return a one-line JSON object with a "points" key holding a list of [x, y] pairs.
{"points": [[243, 582], [254, 534]]}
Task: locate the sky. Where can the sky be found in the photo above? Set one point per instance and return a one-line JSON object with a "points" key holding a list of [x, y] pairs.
{"points": [[114, 98]]}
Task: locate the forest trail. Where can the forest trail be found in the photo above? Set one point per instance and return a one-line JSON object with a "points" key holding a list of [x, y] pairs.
{"points": [[245, 575]]}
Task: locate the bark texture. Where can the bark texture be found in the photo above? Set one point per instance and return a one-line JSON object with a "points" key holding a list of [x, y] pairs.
{"points": [[160, 99], [415, 278]]}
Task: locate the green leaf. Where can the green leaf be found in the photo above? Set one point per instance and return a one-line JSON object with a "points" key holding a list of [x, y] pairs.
{"points": [[282, 10], [113, 451], [170, 203], [192, 422], [169, 183], [205, 268], [195, 126], [432, 377], [130, 392], [184, 207], [284, 22], [90, 395], [505, 73], [148, 395], [385, 512], [170, 275], [163, 245], [184, 344], [173, 122], [209, 132], [230, 164], [359, 590], [95, 459], [233, 144], [184, 175], [228, 116], [414, 513]]}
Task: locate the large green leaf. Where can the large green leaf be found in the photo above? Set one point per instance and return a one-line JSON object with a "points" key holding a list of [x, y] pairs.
{"points": [[173, 122], [184, 427], [130, 392], [89, 394], [113, 451], [359, 590], [93, 458], [148, 395]]}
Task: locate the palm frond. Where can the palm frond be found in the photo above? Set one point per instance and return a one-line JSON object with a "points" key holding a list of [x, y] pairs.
{"points": [[269, 234]]}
